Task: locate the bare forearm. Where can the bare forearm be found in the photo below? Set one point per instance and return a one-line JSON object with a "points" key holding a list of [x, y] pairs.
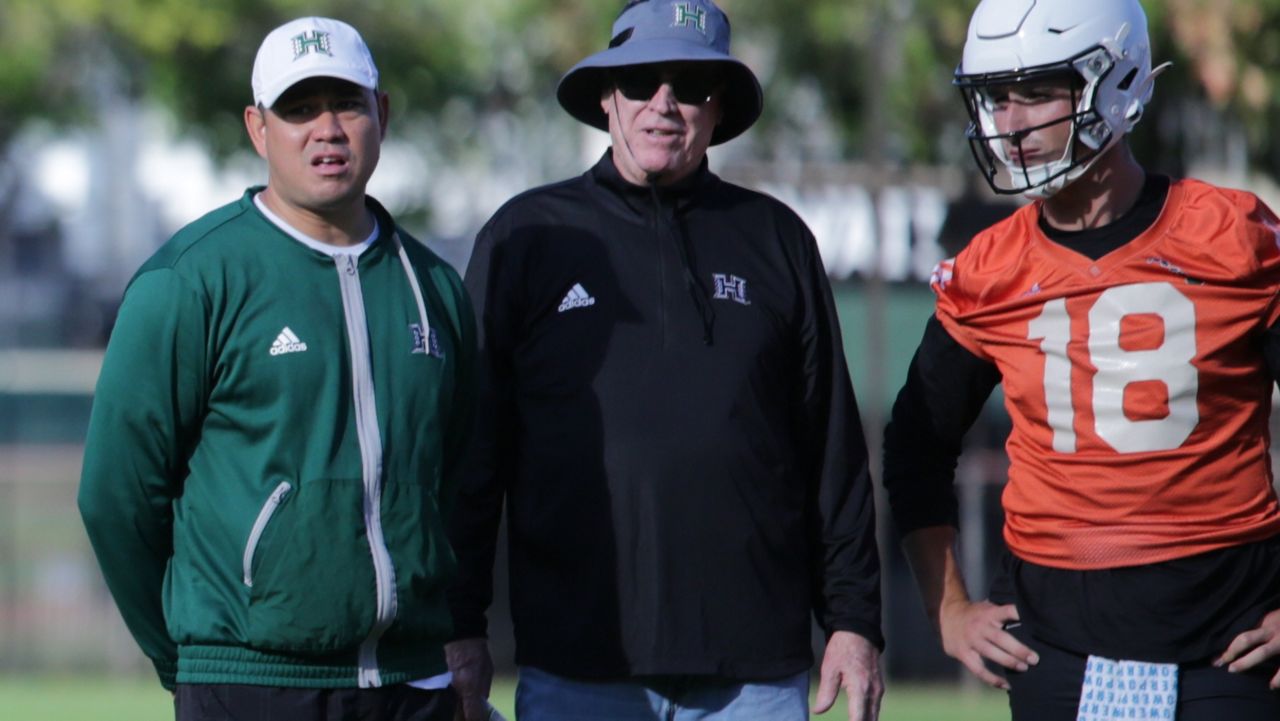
{"points": [[931, 553], [971, 632]]}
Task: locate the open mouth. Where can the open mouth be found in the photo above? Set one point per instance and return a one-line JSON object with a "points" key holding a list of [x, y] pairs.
{"points": [[329, 163]]}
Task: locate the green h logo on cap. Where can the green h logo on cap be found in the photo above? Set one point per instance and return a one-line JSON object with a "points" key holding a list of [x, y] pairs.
{"points": [[687, 14], [313, 41]]}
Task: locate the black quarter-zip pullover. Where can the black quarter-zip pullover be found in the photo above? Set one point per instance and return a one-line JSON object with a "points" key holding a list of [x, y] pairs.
{"points": [[673, 431]]}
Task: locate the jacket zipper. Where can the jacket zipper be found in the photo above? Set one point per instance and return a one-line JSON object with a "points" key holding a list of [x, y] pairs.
{"points": [[662, 270], [370, 440], [260, 525]]}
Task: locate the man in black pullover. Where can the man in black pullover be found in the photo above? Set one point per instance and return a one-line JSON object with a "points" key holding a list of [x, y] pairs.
{"points": [[667, 415]]}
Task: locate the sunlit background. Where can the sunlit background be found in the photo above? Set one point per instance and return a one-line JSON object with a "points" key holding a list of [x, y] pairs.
{"points": [[120, 121]]}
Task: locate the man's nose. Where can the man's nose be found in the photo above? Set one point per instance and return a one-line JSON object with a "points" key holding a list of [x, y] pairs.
{"points": [[664, 98], [327, 124]]}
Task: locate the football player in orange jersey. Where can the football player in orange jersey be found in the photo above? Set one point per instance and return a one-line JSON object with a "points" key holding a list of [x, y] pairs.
{"points": [[1132, 321]]}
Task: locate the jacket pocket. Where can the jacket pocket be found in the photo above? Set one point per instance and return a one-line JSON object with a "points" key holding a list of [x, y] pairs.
{"points": [[313, 585], [415, 532], [264, 517]]}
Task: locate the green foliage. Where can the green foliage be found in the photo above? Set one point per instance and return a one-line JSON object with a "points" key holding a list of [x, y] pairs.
{"points": [[34, 75], [196, 58], [881, 68]]}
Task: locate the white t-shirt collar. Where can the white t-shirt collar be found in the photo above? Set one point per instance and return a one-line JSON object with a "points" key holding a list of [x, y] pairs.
{"points": [[326, 248]]}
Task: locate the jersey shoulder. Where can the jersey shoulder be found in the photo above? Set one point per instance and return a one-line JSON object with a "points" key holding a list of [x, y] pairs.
{"points": [[992, 265], [1221, 234]]}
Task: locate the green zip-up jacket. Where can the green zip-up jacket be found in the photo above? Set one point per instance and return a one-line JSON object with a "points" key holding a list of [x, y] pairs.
{"points": [[272, 452]]}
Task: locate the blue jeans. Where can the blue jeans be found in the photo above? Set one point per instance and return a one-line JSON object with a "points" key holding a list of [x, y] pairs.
{"points": [[541, 696]]}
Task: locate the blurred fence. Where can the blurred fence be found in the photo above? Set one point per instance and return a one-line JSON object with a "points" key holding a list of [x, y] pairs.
{"points": [[55, 612], [56, 615]]}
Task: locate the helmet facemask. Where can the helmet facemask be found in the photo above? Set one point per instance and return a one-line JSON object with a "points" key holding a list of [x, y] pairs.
{"points": [[1090, 134]]}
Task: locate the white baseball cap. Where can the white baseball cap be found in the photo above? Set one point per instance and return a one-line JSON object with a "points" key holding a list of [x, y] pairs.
{"points": [[309, 48]]}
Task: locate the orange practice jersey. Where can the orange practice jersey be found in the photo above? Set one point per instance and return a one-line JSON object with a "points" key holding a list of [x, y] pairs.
{"points": [[1136, 383]]}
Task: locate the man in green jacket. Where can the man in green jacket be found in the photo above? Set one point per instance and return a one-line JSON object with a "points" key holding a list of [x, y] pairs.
{"points": [[275, 430]]}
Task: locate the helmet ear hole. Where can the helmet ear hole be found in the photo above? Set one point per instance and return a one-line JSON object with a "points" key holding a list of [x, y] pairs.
{"points": [[1127, 82]]}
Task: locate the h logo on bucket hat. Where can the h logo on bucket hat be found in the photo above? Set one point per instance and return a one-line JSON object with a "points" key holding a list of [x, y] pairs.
{"points": [[653, 32], [687, 14]]}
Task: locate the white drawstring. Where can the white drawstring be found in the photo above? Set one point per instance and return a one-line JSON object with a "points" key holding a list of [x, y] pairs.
{"points": [[417, 292]]}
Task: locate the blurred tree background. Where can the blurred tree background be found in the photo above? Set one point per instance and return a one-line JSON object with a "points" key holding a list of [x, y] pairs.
{"points": [[195, 58], [859, 107], [472, 85], [825, 63]]}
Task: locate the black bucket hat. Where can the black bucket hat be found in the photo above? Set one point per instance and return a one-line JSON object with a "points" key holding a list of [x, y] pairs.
{"points": [[661, 31]]}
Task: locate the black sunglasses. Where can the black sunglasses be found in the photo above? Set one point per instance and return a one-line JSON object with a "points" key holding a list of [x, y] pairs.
{"points": [[691, 86]]}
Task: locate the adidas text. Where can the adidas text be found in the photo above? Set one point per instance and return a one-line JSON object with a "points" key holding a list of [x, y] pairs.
{"points": [[577, 297], [570, 303], [287, 342]]}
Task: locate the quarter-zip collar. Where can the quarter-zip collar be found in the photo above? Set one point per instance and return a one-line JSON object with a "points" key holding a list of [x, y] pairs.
{"points": [[661, 208], [635, 202]]}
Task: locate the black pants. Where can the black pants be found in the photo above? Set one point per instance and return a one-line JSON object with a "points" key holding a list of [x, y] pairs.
{"points": [[1050, 690], [235, 702]]}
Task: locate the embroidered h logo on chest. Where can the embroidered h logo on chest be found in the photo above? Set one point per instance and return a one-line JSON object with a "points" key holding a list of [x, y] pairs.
{"points": [[730, 287], [428, 342]]}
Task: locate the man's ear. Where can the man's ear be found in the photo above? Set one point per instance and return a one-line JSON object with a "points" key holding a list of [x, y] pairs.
{"points": [[255, 123], [606, 95], [384, 110]]}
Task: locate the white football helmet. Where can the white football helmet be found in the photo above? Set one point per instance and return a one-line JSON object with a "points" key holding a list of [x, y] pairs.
{"points": [[1101, 45]]}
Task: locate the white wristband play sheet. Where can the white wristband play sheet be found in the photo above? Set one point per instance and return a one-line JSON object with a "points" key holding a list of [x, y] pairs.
{"points": [[1128, 690]]}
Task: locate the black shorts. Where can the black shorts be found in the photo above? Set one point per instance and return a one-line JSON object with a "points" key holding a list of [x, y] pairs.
{"points": [[237, 702], [1050, 690]]}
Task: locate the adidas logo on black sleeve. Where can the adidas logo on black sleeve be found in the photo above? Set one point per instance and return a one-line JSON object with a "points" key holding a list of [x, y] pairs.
{"points": [[287, 342], [577, 297]]}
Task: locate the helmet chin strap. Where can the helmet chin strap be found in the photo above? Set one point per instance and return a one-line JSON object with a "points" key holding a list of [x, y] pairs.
{"points": [[1058, 181], [651, 177]]}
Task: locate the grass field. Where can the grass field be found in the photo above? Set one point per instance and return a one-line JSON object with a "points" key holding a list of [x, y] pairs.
{"points": [[41, 698]]}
